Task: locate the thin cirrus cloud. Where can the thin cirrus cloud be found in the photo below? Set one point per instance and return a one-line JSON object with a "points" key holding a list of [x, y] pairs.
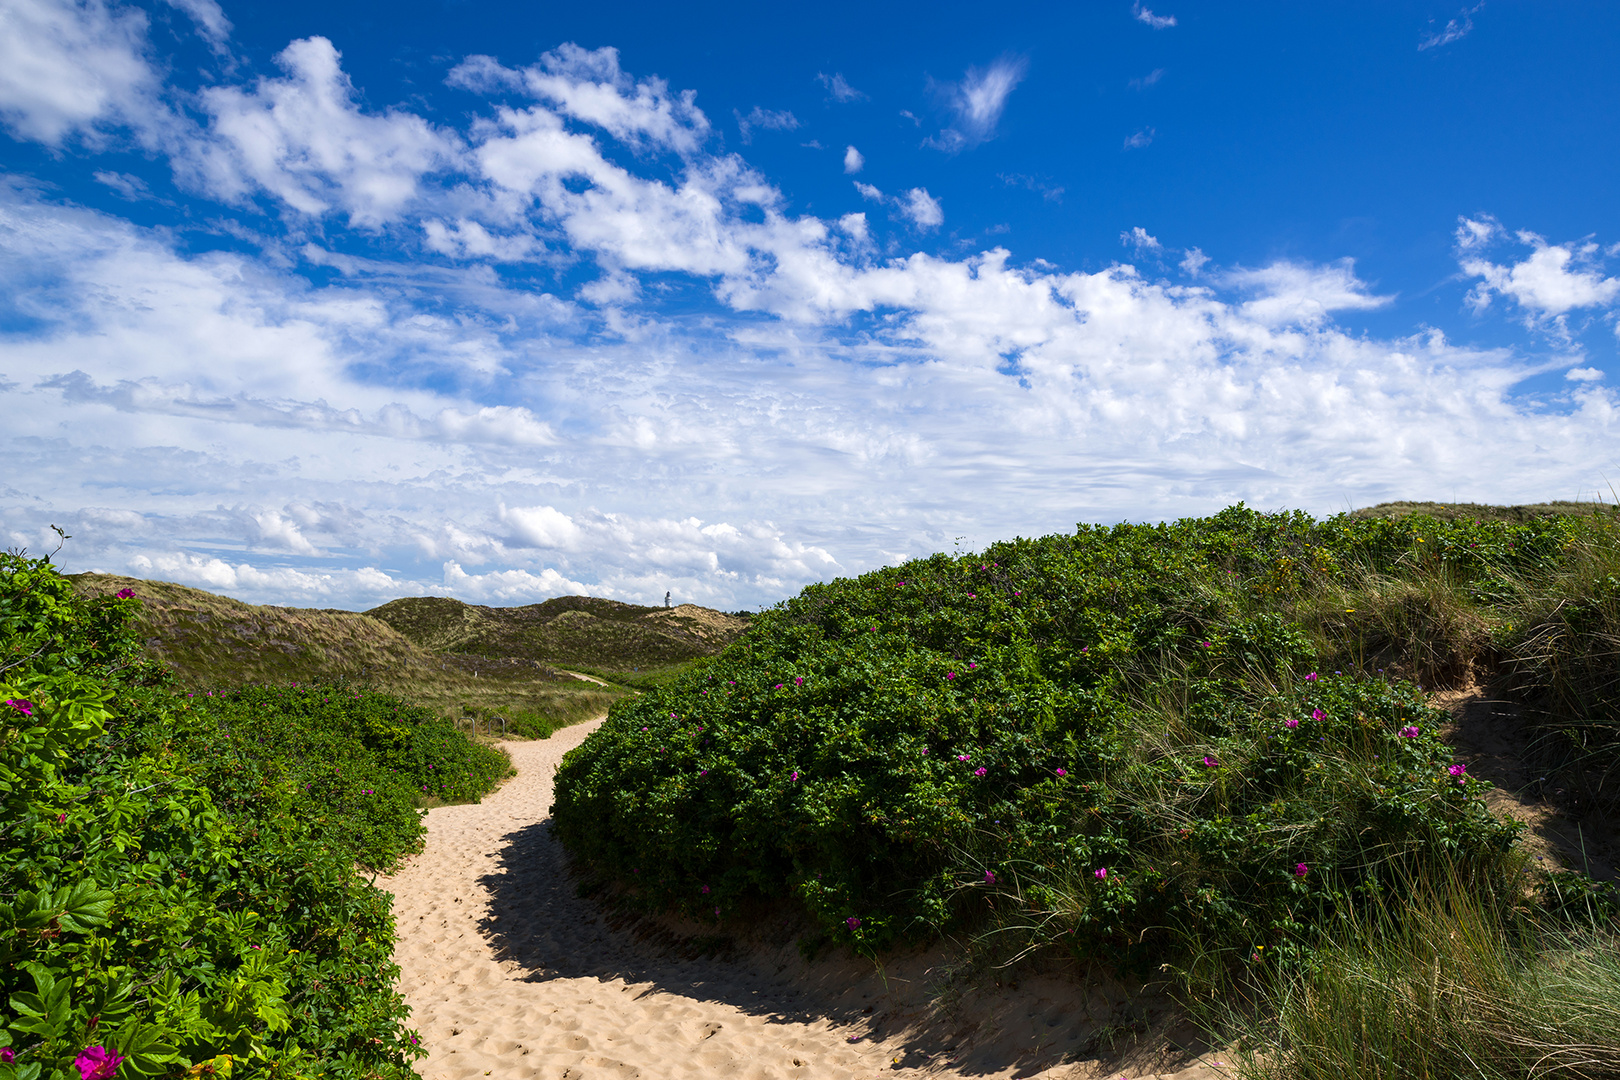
{"points": [[1145, 15], [301, 425], [838, 88], [976, 103], [1455, 29]]}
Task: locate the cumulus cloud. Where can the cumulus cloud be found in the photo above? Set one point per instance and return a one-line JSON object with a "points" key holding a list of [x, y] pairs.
{"points": [[838, 88], [853, 161], [1548, 284], [74, 67], [977, 102], [1139, 239], [589, 86], [305, 141], [922, 209], [836, 397]]}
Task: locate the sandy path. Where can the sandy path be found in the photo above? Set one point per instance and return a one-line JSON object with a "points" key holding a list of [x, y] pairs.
{"points": [[510, 974]]}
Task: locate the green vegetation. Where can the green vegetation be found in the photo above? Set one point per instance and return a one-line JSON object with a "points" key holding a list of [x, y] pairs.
{"points": [[616, 641], [1190, 748], [178, 874], [461, 660], [1450, 984]]}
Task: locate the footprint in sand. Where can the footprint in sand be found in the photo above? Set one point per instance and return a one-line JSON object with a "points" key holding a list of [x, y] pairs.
{"points": [[509, 974]]}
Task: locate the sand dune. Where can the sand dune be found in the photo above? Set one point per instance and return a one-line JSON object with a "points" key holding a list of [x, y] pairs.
{"points": [[510, 974]]}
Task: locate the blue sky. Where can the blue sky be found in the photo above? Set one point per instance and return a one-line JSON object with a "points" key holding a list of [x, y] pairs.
{"points": [[328, 304]]}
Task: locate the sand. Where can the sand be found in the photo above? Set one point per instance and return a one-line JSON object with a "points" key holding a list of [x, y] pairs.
{"points": [[510, 974]]}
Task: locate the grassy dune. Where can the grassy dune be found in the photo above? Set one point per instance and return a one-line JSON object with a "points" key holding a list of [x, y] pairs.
{"points": [[458, 659]]}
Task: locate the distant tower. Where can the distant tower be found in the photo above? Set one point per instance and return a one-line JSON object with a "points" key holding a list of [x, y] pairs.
{"points": [[666, 599]]}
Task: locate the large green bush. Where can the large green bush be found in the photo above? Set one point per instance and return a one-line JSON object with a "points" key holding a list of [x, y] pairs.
{"points": [[178, 877], [1122, 741]]}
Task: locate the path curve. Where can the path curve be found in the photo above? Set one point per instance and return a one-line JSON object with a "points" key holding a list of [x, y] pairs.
{"points": [[510, 974]]}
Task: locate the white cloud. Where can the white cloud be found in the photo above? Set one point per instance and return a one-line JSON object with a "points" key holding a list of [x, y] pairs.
{"points": [[978, 102], [1147, 80], [1139, 239], [764, 118], [72, 66], [838, 88], [1140, 139], [305, 141], [835, 400], [853, 161], [589, 86], [1145, 15], [1553, 280], [210, 18], [1295, 294], [922, 209], [1454, 30], [1584, 374]]}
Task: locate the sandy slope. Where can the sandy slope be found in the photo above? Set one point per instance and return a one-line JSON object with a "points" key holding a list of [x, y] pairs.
{"points": [[510, 974]]}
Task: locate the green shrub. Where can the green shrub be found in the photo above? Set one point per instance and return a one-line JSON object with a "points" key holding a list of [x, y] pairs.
{"points": [[178, 881], [1114, 742]]}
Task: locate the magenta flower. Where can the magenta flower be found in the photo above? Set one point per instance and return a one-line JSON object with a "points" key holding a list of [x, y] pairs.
{"points": [[798, 680], [795, 774], [717, 913], [972, 666], [61, 819], [989, 877], [853, 923], [98, 1063], [973, 596], [705, 890], [1063, 772], [1300, 870], [7, 1057], [126, 594], [1410, 731], [1211, 763], [1318, 714], [950, 674], [964, 757], [980, 771], [779, 686], [21, 705], [1457, 771], [1292, 721], [1101, 873], [1312, 677]]}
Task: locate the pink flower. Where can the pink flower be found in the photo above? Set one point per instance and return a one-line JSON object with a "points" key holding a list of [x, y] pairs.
{"points": [[705, 890], [21, 705], [1457, 771], [1410, 731], [964, 757], [795, 774], [798, 680], [1318, 714], [779, 686], [1300, 870], [989, 877], [1292, 721], [950, 674], [6, 1056], [61, 819], [973, 596], [98, 1063], [1101, 873], [126, 594], [1063, 772], [980, 771], [853, 923], [1211, 763], [1312, 677]]}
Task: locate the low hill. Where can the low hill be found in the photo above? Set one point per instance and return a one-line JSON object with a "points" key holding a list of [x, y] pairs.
{"points": [[1483, 512], [457, 658], [583, 631]]}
